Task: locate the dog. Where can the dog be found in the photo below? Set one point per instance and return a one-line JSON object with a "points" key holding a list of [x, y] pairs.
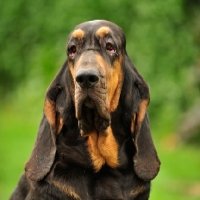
{"points": [[94, 140]]}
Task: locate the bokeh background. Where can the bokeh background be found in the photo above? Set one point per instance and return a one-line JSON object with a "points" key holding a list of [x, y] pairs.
{"points": [[163, 41]]}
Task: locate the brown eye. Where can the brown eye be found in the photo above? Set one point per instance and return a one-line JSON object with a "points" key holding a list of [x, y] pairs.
{"points": [[72, 50], [110, 48]]}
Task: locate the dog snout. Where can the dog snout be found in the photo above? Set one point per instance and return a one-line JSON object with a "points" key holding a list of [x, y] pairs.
{"points": [[87, 78]]}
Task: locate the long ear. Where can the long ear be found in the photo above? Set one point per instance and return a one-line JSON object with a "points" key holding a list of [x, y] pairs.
{"points": [[44, 151], [146, 161]]}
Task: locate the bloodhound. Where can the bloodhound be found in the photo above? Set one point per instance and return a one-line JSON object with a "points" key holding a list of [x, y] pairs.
{"points": [[94, 140]]}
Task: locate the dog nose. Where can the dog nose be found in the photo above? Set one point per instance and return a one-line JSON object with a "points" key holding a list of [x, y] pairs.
{"points": [[87, 78]]}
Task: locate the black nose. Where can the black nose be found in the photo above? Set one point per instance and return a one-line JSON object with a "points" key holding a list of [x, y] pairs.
{"points": [[87, 78]]}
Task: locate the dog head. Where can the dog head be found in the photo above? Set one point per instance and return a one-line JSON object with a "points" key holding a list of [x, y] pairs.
{"points": [[95, 54], [97, 78]]}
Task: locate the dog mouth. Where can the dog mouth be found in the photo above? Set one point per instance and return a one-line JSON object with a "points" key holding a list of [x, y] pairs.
{"points": [[89, 103], [92, 109]]}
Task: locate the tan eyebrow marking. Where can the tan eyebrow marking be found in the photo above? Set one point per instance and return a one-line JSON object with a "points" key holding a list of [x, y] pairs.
{"points": [[101, 32], [78, 34]]}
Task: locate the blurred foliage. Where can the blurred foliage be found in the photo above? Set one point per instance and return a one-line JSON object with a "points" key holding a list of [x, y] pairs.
{"points": [[33, 35], [163, 41]]}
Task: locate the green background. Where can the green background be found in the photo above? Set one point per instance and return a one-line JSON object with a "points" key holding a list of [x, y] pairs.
{"points": [[163, 41]]}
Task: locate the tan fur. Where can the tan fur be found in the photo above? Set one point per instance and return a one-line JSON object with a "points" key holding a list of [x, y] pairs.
{"points": [[142, 110], [71, 68], [103, 31], [103, 148], [116, 82], [78, 34], [67, 190], [108, 148], [50, 112], [59, 124], [137, 191], [97, 159], [133, 123], [113, 81]]}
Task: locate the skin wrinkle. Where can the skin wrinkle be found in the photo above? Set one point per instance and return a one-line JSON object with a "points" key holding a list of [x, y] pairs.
{"points": [[99, 94], [81, 96]]}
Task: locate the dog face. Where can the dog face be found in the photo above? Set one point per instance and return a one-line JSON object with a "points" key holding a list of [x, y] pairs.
{"points": [[95, 55]]}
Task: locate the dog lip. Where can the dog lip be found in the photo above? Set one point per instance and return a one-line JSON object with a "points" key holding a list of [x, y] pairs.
{"points": [[89, 102], [93, 98]]}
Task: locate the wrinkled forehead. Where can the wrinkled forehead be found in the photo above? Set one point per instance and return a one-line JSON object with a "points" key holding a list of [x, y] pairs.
{"points": [[98, 28]]}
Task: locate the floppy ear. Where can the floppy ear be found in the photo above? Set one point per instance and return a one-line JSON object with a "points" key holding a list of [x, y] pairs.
{"points": [[146, 162], [44, 151]]}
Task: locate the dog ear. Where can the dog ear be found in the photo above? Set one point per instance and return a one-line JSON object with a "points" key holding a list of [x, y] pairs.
{"points": [[146, 162], [44, 151]]}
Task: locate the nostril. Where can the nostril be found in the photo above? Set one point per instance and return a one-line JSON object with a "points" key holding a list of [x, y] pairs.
{"points": [[79, 79], [93, 78]]}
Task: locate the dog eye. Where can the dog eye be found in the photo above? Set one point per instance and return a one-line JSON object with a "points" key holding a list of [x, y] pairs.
{"points": [[110, 47], [72, 50]]}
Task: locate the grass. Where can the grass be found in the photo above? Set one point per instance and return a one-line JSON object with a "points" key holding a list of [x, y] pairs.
{"points": [[17, 138], [179, 177]]}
